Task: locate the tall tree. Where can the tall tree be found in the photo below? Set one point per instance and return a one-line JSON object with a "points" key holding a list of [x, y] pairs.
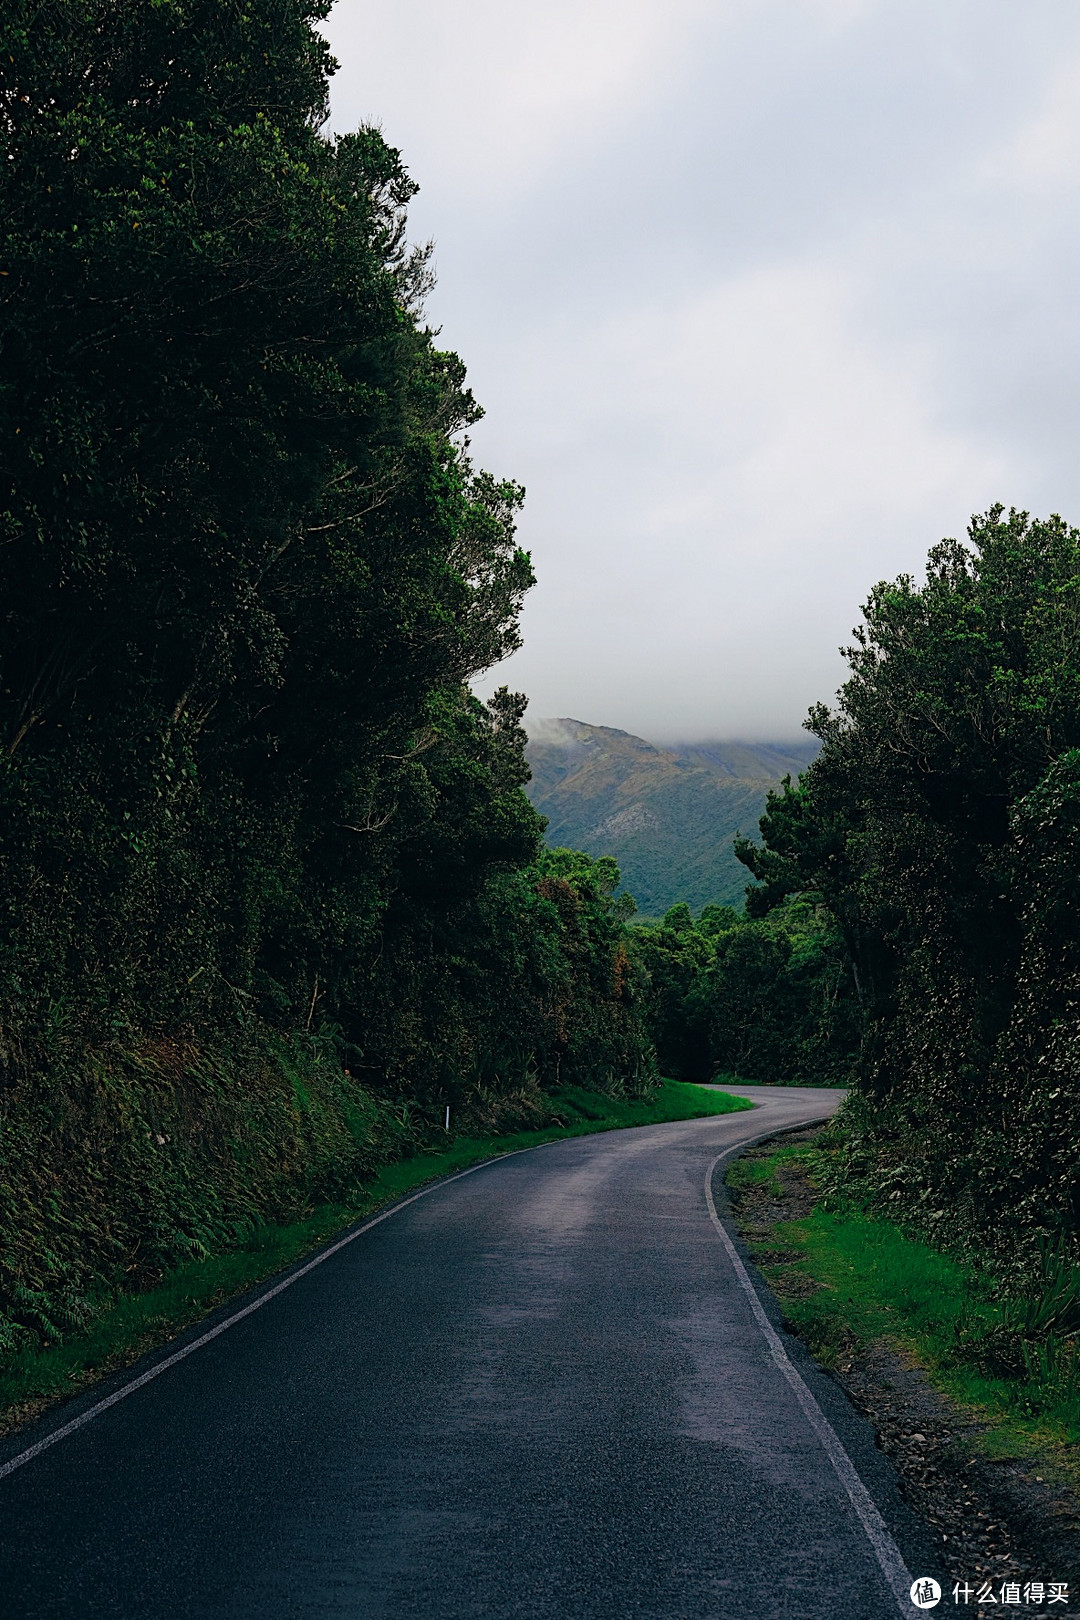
{"points": [[266, 889], [246, 565], [939, 823]]}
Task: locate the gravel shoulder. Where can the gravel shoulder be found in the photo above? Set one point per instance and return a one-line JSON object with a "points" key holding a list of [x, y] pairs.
{"points": [[536, 1390], [994, 1519]]}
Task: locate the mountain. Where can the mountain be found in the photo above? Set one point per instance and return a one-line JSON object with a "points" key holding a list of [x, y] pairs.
{"points": [[668, 815]]}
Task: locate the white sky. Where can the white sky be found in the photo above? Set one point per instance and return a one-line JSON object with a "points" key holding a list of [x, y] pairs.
{"points": [[761, 297]]}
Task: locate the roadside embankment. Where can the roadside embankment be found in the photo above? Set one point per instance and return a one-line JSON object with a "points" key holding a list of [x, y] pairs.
{"points": [[981, 1430], [49, 1366]]}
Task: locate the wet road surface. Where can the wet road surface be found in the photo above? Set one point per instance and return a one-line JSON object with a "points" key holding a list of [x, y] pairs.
{"points": [[537, 1391]]}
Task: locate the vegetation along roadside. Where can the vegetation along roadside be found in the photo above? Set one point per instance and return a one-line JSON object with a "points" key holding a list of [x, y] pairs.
{"points": [[134, 1323], [972, 1386], [271, 894]]}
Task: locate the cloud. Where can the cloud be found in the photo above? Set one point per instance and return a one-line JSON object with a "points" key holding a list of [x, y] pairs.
{"points": [[498, 93], [716, 484], [761, 297], [1044, 154]]}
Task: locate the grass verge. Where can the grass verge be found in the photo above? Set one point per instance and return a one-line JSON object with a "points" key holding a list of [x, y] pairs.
{"points": [[32, 1379], [849, 1280]]}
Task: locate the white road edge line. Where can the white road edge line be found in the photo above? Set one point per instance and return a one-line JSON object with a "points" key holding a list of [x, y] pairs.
{"points": [[238, 1316], [256, 1304], [886, 1551]]}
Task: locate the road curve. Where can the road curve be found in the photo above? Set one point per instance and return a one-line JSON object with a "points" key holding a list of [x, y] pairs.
{"points": [[537, 1391]]}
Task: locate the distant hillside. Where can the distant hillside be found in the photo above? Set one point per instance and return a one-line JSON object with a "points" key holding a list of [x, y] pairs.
{"points": [[668, 815]]}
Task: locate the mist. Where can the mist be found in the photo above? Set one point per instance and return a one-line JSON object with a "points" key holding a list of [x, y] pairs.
{"points": [[761, 299]]}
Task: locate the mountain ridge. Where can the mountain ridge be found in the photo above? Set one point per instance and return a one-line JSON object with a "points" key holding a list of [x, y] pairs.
{"points": [[668, 814]]}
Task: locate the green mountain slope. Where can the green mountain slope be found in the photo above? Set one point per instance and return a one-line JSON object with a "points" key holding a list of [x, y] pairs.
{"points": [[668, 815]]}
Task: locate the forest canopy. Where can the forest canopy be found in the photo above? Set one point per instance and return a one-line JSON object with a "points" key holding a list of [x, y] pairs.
{"points": [[940, 826], [767, 999], [271, 891]]}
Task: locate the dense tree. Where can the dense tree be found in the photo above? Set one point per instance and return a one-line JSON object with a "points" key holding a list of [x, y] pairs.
{"points": [[257, 839], [769, 999], [672, 953], [246, 564], [940, 824]]}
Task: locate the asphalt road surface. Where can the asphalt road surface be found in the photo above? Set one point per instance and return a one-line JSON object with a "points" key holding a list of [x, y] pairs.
{"points": [[540, 1390]]}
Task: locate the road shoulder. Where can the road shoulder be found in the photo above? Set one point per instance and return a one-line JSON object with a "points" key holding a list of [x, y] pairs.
{"points": [[37, 1381], [991, 1518]]}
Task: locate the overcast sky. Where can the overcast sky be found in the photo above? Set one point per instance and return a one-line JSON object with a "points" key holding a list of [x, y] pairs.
{"points": [[761, 297]]}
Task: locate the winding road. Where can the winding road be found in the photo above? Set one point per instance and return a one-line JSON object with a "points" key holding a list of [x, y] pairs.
{"points": [[546, 1388]]}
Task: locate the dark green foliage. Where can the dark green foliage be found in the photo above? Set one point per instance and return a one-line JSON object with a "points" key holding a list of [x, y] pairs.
{"points": [[671, 955], [247, 570], [55, 1352], [525, 985], [941, 823], [667, 815], [118, 1164], [246, 566], [117, 1169], [716, 919], [770, 1000]]}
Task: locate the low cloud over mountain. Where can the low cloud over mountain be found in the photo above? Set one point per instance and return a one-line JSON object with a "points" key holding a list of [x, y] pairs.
{"points": [[668, 815]]}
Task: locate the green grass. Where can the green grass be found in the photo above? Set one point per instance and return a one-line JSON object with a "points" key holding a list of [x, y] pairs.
{"points": [[132, 1324], [876, 1282]]}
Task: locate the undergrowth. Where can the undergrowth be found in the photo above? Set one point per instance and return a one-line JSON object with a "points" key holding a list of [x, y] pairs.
{"points": [[1008, 1350], [132, 1323]]}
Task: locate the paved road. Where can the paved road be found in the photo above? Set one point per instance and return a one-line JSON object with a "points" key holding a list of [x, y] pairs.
{"points": [[539, 1391]]}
